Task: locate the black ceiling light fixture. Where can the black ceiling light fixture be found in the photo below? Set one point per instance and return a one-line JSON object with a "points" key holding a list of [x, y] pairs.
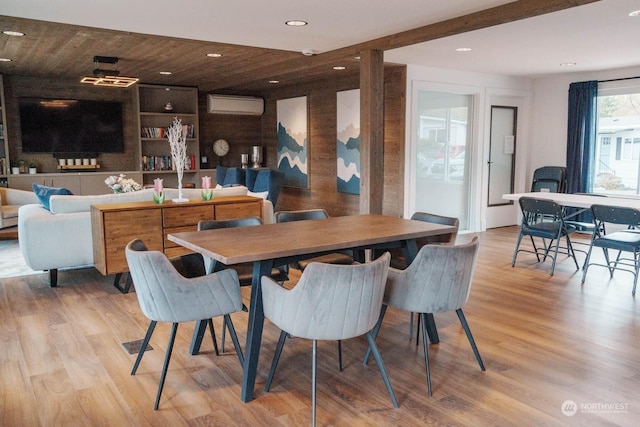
{"points": [[110, 78]]}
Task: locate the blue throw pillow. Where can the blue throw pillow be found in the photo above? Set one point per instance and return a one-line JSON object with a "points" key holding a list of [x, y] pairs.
{"points": [[43, 193]]}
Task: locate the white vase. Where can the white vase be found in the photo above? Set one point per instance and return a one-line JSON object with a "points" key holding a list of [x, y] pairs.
{"points": [[15, 170], [33, 171]]}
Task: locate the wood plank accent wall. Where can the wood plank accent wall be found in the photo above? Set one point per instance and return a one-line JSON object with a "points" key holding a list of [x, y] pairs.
{"points": [[18, 86], [322, 192], [241, 132]]}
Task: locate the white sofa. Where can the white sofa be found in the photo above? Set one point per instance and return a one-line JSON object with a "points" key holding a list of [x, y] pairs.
{"points": [[61, 238], [10, 201]]}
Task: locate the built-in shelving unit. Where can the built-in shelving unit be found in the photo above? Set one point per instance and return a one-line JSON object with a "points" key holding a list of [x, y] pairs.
{"points": [[153, 118], [5, 166]]}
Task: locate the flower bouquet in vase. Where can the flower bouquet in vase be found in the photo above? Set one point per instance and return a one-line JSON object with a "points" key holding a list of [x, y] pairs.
{"points": [[178, 142], [158, 191], [206, 191]]}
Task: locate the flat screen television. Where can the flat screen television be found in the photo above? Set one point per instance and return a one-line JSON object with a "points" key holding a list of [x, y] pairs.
{"points": [[71, 126]]}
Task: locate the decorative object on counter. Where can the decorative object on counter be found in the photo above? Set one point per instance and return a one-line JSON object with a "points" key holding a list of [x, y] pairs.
{"points": [[256, 156], [62, 162], [206, 192], [85, 162], [244, 159], [120, 184], [158, 191], [93, 161], [168, 107], [33, 166], [178, 143]]}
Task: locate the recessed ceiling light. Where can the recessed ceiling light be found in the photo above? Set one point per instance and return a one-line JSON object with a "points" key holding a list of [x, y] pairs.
{"points": [[635, 13], [214, 55], [5, 60], [273, 82], [13, 33], [463, 49], [296, 23], [339, 67], [165, 73], [568, 64]]}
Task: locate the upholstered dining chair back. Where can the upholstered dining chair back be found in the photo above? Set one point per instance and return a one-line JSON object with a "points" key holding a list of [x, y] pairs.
{"points": [[228, 223], [166, 296], [330, 302], [397, 257], [438, 280], [300, 215]]}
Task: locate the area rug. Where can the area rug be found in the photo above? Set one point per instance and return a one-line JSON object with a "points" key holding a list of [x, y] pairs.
{"points": [[11, 262]]}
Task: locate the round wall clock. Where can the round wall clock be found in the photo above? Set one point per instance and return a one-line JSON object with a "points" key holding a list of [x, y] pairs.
{"points": [[220, 147]]}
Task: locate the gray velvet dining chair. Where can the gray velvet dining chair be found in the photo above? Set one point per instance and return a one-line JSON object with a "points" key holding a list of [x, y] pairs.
{"points": [[164, 295], [438, 280], [330, 302], [245, 271]]}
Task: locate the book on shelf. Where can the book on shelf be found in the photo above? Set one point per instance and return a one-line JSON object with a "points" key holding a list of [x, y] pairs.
{"points": [[165, 163], [161, 132], [4, 167]]}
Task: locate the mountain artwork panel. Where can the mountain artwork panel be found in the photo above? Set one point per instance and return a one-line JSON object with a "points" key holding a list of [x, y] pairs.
{"points": [[348, 141], [292, 147]]}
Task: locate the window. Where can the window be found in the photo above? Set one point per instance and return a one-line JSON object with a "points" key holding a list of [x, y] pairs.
{"points": [[617, 162]]}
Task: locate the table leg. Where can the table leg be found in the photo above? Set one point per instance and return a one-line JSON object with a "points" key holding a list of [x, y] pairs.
{"points": [[254, 330]]}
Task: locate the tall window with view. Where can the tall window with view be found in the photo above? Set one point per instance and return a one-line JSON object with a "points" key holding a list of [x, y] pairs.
{"points": [[617, 162]]}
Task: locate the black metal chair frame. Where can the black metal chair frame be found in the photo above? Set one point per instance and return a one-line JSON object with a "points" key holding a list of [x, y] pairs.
{"points": [[623, 241], [544, 219]]}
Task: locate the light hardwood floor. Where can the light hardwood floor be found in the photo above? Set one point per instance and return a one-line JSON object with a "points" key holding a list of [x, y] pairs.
{"points": [[544, 340]]}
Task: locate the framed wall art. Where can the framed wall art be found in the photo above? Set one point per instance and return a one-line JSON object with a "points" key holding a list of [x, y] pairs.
{"points": [[292, 147], [348, 141]]}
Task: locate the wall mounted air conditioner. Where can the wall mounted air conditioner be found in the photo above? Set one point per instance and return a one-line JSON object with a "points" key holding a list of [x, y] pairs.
{"points": [[230, 104]]}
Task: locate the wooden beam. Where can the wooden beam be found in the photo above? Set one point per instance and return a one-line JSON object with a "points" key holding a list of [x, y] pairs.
{"points": [[371, 131], [510, 12]]}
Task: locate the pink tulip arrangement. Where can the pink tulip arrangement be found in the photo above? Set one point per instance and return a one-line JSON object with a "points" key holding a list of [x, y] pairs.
{"points": [[158, 191], [206, 192]]}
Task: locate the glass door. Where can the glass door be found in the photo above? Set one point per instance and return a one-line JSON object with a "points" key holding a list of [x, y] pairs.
{"points": [[444, 124]]}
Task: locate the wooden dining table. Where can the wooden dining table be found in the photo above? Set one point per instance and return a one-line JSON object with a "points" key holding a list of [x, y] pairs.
{"points": [[283, 243]]}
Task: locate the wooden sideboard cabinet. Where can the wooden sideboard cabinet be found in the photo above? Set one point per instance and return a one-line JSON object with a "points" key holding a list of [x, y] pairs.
{"points": [[113, 226]]}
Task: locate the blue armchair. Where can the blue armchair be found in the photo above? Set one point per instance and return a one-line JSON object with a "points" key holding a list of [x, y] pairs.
{"points": [[256, 180]]}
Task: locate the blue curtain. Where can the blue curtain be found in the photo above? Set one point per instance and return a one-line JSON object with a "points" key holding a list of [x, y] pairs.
{"points": [[581, 136]]}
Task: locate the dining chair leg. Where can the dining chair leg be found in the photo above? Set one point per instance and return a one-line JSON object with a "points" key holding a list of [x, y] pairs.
{"points": [[381, 368], [418, 329], [165, 366], [571, 251], [224, 334], [585, 267], [213, 336], [276, 358], [340, 355], [234, 339], [145, 341], [474, 347], [606, 257], [375, 331], [410, 325], [425, 345], [314, 366]]}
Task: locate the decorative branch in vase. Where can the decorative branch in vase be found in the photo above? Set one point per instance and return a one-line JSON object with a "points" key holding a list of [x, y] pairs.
{"points": [[178, 142]]}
